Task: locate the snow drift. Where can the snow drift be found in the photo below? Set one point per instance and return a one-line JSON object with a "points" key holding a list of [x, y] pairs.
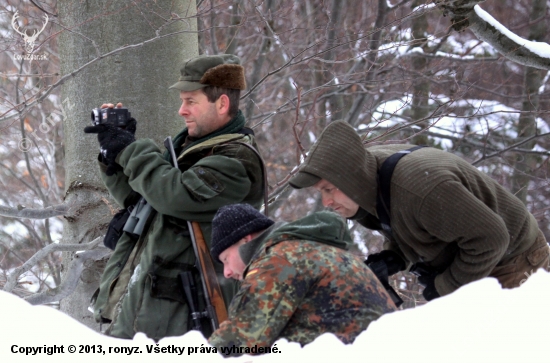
{"points": [[479, 322]]}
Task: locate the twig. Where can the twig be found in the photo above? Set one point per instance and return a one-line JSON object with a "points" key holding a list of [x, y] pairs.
{"points": [[30, 213], [500, 152], [301, 150], [71, 280]]}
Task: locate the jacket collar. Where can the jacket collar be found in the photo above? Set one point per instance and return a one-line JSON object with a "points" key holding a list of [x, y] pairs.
{"points": [[249, 250]]}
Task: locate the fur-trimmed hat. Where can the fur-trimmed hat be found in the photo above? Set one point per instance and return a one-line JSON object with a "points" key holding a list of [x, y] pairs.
{"points": [[232, 223], [222, 70]]}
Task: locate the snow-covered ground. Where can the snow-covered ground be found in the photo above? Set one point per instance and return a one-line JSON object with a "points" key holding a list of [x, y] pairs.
{"points": [[478, 323]]}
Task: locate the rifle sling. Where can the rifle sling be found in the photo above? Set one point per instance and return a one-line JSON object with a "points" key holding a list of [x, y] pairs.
{"points": [[264, 173]]}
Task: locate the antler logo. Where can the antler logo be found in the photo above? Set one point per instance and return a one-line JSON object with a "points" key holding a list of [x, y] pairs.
{"points": [[29, 39]]}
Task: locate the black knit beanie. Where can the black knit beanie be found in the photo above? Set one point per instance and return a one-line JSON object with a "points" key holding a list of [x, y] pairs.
{"points": [[233, 222]]}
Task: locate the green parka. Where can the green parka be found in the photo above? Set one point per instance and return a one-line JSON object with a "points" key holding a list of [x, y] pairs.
{"points": [[140, 290]]}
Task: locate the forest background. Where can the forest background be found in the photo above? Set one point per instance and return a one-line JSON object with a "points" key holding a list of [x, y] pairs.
{"points": [[399, 71]]}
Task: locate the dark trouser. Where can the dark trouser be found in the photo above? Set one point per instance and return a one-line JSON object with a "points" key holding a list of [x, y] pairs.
{"points": [[515, 272]]}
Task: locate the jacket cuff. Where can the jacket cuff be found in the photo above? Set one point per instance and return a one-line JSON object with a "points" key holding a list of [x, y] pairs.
{"points": [[443, 286]]}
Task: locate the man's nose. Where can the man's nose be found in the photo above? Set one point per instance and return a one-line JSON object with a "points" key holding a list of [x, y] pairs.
{"points": [[183, 110], [326, 200], [227, 273]]}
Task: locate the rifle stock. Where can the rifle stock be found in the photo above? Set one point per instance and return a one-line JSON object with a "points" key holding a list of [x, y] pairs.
{"points": [[213, 293]]}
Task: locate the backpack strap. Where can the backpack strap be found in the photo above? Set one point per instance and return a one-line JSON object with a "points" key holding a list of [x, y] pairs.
{"points": [[248, 131], [264, 172], [383, 206]]}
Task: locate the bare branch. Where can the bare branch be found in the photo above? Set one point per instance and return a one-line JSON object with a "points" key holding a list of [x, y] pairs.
{"points": [[468, 14], [509, 148], [72, 277], [30, 213], [12, 279], [42, 8], [301, 150]]}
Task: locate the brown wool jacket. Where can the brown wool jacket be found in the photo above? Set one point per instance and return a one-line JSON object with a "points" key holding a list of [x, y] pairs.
{"points": [[444, 211]]}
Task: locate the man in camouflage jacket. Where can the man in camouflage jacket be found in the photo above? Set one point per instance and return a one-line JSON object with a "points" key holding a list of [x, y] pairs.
{"points": [[140, 290], [297, 280], [456, 223]]}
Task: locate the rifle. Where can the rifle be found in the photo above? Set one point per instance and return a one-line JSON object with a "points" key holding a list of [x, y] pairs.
{"points": [[215, 305]]}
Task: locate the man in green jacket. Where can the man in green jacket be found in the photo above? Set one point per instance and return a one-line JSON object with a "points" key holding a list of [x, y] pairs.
{"points": [[297, 281], [140, 290], [454, 222]]}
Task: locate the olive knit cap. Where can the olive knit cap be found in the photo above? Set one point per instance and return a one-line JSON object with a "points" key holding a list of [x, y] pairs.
{"points": [[222, 71], [339, 157], [325, 159], [232, 223]]}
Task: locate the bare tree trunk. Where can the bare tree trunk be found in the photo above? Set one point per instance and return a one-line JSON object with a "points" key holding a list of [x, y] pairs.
{"points": [[374, 44], [263, 49], [236, 19], [138, 77], [421, 85], [527, 125], [337, 13]]}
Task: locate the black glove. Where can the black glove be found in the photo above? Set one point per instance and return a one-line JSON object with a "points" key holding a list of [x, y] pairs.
{"points": [[430, 292], [393, 261], [112, 140]]}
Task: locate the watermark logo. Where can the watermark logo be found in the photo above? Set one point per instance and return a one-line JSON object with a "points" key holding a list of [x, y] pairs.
{"points": [[25, 144], [527, 275], [30, 40]]}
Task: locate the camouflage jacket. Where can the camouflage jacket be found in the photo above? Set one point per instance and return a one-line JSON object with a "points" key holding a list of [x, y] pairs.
{"points": [[298, 284], [140, 290]]}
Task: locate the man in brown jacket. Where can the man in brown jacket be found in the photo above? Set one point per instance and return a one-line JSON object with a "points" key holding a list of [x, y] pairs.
{"points": [[455, 223]]}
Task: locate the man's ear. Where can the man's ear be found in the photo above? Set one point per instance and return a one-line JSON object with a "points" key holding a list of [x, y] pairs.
{"points": [[223, 104]]}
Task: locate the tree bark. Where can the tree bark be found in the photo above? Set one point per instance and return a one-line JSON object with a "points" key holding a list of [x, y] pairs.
{"points": [[139, 78], [527, 125], [421, 85], [263, 50], [374, 43]]}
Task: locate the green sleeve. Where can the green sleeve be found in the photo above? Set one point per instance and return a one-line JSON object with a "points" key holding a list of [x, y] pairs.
{"points": [[264, 305], [195, 194], [453, 214], [117, 185]]}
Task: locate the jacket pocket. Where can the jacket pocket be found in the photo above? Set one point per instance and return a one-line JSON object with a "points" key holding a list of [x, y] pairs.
{"points": [[204, 184], [538, 256], [165, 281]]}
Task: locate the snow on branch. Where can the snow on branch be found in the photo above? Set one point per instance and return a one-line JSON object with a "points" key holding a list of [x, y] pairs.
{"points": [[468, 14], [85, 252], [512, 46], [22, 212]]}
